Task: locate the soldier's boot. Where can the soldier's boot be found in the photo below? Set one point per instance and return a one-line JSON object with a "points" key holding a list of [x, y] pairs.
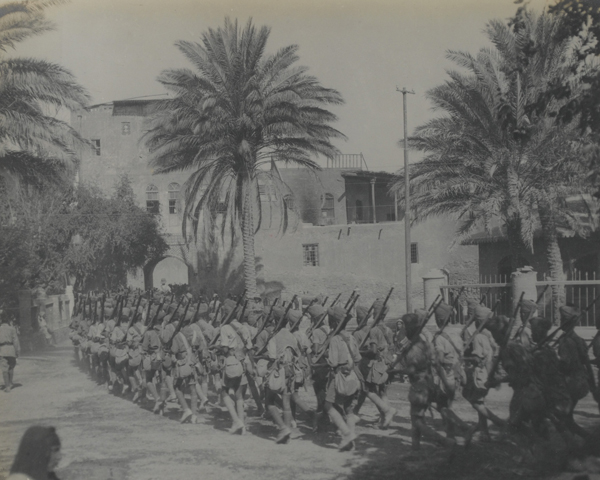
{"points": [[201, 395], [288, 419], [240, 407], [431, 434], [387, 412], [169, 384], [238, 425], [187, 413], [347, 436], [284, 430], [135, 389], [7, 382], [153, 391], [193, 402], [362, 395], [317, 417], [256, 395]]}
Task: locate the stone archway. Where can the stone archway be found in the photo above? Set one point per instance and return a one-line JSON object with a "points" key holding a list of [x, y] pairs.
{"points": [[170, 267]]}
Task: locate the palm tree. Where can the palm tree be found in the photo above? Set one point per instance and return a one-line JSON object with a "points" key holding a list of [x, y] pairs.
{"points": [[499, 155], [238, 111], [35, 146]]}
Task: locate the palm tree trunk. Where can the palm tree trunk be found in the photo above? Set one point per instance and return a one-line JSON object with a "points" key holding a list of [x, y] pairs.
{"points": [[553, 257], [248, 241]]}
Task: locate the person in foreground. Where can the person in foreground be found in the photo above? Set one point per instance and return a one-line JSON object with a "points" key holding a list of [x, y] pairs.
{"points": [[38, 455]]}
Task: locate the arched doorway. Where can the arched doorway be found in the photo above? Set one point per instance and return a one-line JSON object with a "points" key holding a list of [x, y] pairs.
{"points": [[172, 269]]}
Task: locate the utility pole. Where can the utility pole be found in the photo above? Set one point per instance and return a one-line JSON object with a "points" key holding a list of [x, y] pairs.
{"points": [[407, 256]]}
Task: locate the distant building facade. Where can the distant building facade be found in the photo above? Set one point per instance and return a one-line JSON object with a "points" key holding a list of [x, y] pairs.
{"points": [[345, 229]]}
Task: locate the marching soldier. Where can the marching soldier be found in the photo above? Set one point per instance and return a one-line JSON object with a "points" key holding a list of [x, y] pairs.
{"points": [[416, 361], [344, 379], [448, 373], [479, 357], [320, 373]]}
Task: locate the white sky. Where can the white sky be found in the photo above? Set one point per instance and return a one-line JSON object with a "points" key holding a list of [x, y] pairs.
{"points": [[116, 49]]}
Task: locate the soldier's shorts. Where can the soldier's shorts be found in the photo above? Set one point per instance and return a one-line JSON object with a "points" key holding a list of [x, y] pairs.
{"points": [[7, 364], [234, 383], [377, 389], [345, 402], [419, 396], [150, 374], [184, 382]]}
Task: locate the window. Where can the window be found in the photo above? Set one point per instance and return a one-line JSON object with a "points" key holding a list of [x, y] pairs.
{"points": [[311, 255], [327, 210], [152, 202], [414, 253], [125, 128], [96, 147], [173, 197], [289, 202], [266, 193]]}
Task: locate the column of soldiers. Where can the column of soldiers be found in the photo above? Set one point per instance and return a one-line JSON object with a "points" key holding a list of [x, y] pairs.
{"points": [[151, 346]]}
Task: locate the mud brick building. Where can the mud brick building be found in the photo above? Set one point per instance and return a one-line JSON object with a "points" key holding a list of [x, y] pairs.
{"points": [[345, 229]]}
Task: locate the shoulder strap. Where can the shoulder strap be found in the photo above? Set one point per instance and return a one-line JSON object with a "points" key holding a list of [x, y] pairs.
{"points": [[447, 337], [347, 342]]}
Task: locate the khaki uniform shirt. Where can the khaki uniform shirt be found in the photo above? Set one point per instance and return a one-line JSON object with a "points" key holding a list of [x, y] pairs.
{"points": [[9, 341]]}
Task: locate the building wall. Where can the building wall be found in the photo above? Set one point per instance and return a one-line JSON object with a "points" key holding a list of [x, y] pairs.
{"points": [[122, 154], [309, 188], [576, 253], [367, 256]]}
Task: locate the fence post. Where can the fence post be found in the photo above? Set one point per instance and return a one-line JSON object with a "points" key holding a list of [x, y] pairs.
{"points": [[523, 280], [432, 281]]}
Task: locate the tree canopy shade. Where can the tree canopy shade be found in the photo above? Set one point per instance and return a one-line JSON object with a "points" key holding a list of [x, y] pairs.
{"points": [[237, 111], [498, 153], [34, 145], [38, 229]]}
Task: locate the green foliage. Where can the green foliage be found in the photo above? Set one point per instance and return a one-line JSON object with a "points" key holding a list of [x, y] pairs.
{"points": [[76, 233]]}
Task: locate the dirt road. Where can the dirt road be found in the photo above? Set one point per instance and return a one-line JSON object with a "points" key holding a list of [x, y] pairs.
{"points": [[105, 437]]}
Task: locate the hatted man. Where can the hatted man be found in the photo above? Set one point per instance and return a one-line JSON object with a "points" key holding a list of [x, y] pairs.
{"points": [[10, 350]]}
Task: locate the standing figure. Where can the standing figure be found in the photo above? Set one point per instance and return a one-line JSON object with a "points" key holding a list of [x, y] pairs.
{"points": [[10, 350]]}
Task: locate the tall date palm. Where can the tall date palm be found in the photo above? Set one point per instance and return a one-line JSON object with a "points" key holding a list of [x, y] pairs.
{"points": [[35, 146], [498, 154], [235, 113]]}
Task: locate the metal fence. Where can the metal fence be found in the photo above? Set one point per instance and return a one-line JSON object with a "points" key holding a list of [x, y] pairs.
{"points": [[581, 288], [494, 291]]}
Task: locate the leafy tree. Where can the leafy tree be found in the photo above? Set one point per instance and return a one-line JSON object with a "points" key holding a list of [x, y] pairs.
{"points": [[57, 235], [235, 113], [498, 154], [34, 144]]}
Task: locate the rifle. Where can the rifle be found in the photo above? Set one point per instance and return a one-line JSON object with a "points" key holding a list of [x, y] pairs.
{"points": [[195, 318], [266, 321], [350, 299], [278, 327], [153, 321], [365, 320], [324, 301], [102, 307], [137, 306], [337, 330], [228, 319], [505, 340], [214, 321], [567, 327], [179, 325], [95, 311], [336, 300], [150, 301], [304, 312], [379, 318], [524, 324], [123, 302]]}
